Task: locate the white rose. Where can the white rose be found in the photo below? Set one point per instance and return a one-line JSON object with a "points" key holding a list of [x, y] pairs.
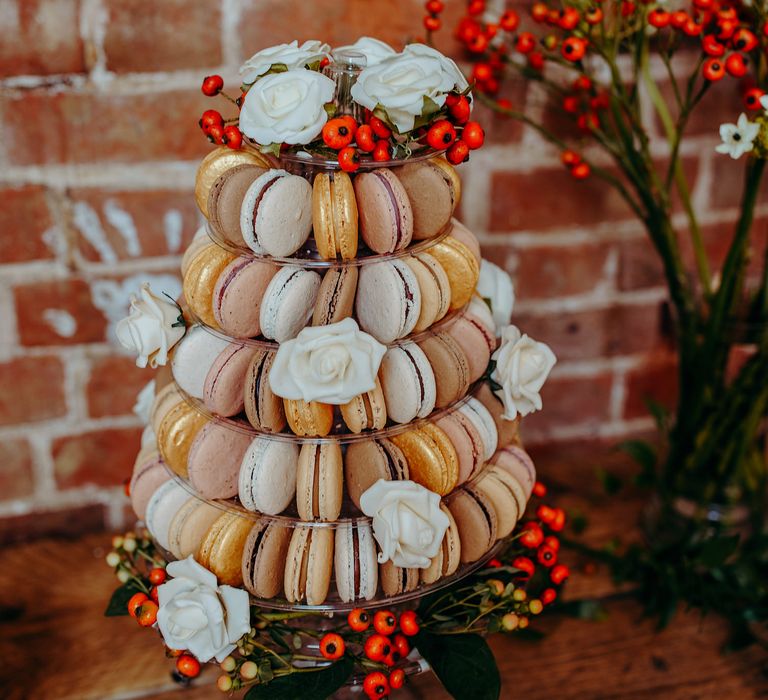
{"points": [[496, 286], [197, 614], [374, 50], [399, 84], [407, 522], [522, 367], [151, 329], [332, 364], [287, 107], [450, 69], [144, 400], [289, 55]]}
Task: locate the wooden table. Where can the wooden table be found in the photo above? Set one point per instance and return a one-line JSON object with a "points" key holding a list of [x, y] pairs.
{"points": [[54, 642]]}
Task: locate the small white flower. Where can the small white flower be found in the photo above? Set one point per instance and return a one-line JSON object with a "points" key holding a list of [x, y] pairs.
{"points": [[289, 55], [738, 138]]}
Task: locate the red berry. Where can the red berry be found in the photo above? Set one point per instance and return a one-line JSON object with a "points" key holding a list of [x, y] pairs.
{"points": [[536, 60], [504, 103], [232, 137], [524, 564], [736, 65], [752, 98], [135, 602], [482, 72], [377, 646], [393, 658], [545, 513], [658, 18], [713, 69], [210, 118], [703, 4], [559, 573], [526, 42], [548, 595], [432, 24], [678, 19], [628, 9], [727, 28], [379, 128], [332, 646], [157, 576], [349, 160], [337, 133], [401, 645], [473, 135], [147, 614], [382, 151], [154, 595], [441, 134], [553, 542], [569, 158], [409, 624], [531, 535], [212, 85], [359, 620], [580, 171], [467, 29], [692, 27], [744, 40], [216, 134], [364, 138], [593, 15], [476, 7], [539, 490], [376, 685], [458, 152], [397, 679], [460, 110], [571, 104], [569, 19], [509, 21], [478, 44], [435, 7], [188, 666], [559, 521], [539, 12], [546, 555], [385, 622], [573, 48], [711, 46]]}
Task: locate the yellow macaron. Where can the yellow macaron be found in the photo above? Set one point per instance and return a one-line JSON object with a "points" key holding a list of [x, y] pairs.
{"points": [[221, 550], [462, 269], [177, 431], [200, 279], [432, 459]]}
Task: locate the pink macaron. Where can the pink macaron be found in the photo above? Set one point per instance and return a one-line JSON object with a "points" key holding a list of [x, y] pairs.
{"points": [[461, 233], [149, 473], [223, 387], [466, 440], [386, 217], [238, 293], [473, 335], [214, 460], [517, 462]]}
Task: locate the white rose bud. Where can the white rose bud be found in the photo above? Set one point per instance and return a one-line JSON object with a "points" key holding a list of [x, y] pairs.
{"points": [[151, 329], [495, 285], [522, 367], [374, 50]]}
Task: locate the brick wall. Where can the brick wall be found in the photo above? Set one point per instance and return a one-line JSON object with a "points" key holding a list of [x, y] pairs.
{"points": [[98, 105]]}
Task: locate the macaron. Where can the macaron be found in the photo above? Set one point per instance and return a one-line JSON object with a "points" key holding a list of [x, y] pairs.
{"points": [[309, 565], [148, 475], [367, 411], [214, 460], [506, 496], [288, 302], [460, 265], [475, 519], [408, 382], [264, 554], [386, 217], [367, 461], [434, 287], [396, 580], [221, 550], [519, 464], [450, 366], [267, 480], [223, 386], [198, 242], [336, 296], [189, 526], [508, 430], [355, 566], [461, 233], [176, 433], [263, 407], [237, 296], [162, 508], [319, 481], [388, 302], [466, 440], [474, 337], [308, 418], [215, 163], [276, 213], [193, 357], [200, 281], [448, 557], [334, 215], [225, 200], [432, 459], [432, 192], [483, 421]]}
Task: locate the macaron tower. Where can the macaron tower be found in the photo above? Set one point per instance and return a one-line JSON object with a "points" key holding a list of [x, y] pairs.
{"points": [[341, 422]]}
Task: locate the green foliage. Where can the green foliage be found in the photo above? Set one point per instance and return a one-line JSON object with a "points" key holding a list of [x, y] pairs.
{"points": [[309, 685], [118, 603]]}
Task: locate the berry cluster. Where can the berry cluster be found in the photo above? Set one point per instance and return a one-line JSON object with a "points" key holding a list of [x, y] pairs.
{"points": [[219, 130]]}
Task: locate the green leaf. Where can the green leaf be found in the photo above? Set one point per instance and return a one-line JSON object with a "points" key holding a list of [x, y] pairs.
{"points": [[611, 483], [118, 603], [641, 451], [463, 663], [660, 414], [714, 552], [311, 685]]}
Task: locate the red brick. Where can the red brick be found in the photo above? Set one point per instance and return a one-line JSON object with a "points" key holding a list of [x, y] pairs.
{"points": [[728, 181], [113, 386], [582, 401], [72, 296], [68, 522], [24, 218], [16, 479], [656, 380], [617, 330], [500, 129], [100, 458], [153, 215], [341, 22], [143, 35], [640, 266], [552, 271], [549, 198], [41, 37], [66, 127], [31, 389]]}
